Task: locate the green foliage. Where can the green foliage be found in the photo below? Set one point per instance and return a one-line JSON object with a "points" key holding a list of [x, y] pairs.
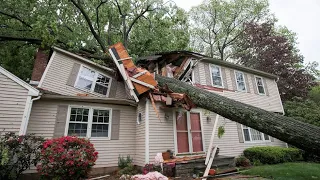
{"points": [[124, 161], [292, 171], [59, 22], [126, 166], [307, 110], [221, 131], [18, 153], [272, 155], [217, 24], [314, 94], [242, 161]]}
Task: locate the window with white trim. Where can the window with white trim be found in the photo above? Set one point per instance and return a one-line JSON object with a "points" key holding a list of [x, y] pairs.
{"points": [[260, 86], [216, 76], [252, 135], [92, 81], [241, 84], [89, 122]]}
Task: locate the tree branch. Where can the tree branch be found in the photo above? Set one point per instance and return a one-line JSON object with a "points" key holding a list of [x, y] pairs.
{"points": [[24, 39], [137, 18], [86, 17], [17, 18], [97, 15]]}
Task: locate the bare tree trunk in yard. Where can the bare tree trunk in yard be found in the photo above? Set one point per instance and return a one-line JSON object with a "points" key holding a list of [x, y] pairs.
{"points": [[297, 133]]}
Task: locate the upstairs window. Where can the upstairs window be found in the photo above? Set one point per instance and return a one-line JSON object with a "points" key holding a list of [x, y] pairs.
{"points": [[241, 85], [260, 86], [92, 81], [252, 135], [216, 76]]}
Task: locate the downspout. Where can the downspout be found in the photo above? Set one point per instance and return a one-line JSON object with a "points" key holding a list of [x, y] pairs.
{"points": [[28, 115], [147, 131]]}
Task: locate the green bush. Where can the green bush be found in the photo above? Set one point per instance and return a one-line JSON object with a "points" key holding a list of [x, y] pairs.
{"points": [[242, 161], [124, 161], [273, 155], [18, 153]]}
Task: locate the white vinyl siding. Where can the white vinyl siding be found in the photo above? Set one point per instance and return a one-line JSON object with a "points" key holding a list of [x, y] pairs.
{"points": [[58, 74], [216, 76], [272, 102], [260, 86], [13, 98], [42, 122]]}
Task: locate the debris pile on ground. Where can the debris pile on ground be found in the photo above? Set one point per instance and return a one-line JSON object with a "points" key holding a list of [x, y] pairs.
{"points": [[150, 176]]}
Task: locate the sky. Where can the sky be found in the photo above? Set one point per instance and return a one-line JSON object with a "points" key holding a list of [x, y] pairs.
{"points": [[299, 16]]}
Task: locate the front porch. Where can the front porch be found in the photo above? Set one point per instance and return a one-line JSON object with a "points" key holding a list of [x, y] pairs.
{"points": [[189, 165]]}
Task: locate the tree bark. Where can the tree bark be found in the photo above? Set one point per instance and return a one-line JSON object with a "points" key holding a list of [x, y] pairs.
{"points": [[297, 133]]}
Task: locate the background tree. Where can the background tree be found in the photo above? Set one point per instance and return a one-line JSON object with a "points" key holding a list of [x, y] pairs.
{"points": [[217, 24], [262, 48], [306, 110]]}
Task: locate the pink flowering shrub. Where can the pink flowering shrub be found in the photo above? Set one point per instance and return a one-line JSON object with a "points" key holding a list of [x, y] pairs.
{"points": [[66, 158]]}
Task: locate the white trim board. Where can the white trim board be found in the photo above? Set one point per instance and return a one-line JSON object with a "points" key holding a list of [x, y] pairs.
{"points": [[47, 69], [147, 132], [32, 91]]}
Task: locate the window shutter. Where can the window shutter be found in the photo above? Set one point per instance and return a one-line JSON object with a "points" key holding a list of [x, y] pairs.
{"points": [[247, 82], [224, 78], [207, 74], [240, 133], [115, 124], [196, 74], [233, 79], [61, 119], [265, 86], [73, 75], [113, 88], [255, 88]]}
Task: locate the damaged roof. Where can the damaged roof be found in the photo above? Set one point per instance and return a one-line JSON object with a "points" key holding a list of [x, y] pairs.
{"points": [[176, 57]]}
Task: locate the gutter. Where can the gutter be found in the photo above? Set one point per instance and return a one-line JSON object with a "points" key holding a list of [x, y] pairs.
{"points": [[102, 100], [25, 122]]}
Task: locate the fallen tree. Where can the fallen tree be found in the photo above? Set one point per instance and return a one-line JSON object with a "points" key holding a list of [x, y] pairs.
{"points": [[296, 133]]}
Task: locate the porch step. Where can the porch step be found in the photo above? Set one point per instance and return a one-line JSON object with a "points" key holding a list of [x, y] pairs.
{"points": [[188, 168]]}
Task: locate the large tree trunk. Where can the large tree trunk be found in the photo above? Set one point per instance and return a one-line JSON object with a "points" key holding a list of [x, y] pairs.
{"points": [[297, 133]]}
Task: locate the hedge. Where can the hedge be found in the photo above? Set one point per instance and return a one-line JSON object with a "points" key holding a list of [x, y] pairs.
{"points": [[273, 155]]}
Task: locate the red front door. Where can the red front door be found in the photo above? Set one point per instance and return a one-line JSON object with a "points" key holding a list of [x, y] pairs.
{"points": [[189, 132]]}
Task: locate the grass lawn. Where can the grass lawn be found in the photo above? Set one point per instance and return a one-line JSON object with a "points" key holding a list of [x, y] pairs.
{"points": [[295, 171]]}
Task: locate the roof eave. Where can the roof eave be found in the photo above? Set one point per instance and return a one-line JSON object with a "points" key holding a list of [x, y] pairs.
{"points": [[91, 99], [239, 67]]}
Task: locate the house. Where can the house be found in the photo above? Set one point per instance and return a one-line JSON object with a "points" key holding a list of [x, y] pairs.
{"points": [[16, 100], [80, 97]]}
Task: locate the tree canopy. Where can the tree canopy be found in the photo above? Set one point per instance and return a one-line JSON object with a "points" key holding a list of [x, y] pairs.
{"points": [[217, 24], [262, 47], [89, 26]]}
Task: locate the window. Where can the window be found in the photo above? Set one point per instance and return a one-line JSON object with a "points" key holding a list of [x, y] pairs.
{"points": [[241, 85], [216, 76], [260, 85], [93, 81], [252, 135], [89, 122]]}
